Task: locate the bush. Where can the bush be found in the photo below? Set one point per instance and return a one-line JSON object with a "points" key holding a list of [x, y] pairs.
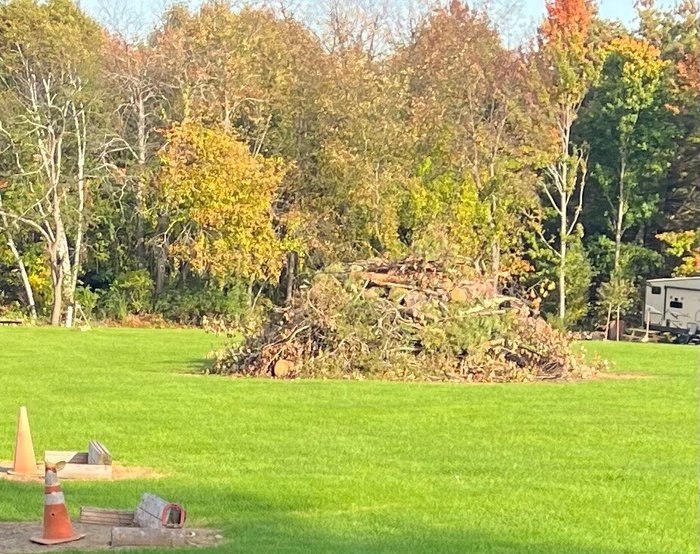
{"points": [[11, 309], [130, 293], [87, 299], [192, 305], [579, 277]]}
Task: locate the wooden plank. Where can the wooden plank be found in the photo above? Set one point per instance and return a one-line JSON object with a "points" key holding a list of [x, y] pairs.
{"points": [[106, 516], [86, 471], [137, 536], [68, 456], [154, 512], [639, 331], [11, 322], [98, 454]]}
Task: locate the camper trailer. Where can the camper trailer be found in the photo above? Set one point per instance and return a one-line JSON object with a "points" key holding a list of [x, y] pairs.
{"points": [[673, 306]]}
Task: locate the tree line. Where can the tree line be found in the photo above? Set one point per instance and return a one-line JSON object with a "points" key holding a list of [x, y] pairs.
{"points": [[183, 172]]}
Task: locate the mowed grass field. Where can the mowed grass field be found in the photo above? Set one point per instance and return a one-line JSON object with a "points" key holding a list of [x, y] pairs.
{"points": [[601, 467]]}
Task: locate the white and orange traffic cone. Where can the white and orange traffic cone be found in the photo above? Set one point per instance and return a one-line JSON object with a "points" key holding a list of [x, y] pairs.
{"points": [[57, 525], [25, 460]]}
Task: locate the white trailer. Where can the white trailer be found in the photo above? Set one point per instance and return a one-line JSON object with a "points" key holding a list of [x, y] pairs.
{"points": [[673, 305]]}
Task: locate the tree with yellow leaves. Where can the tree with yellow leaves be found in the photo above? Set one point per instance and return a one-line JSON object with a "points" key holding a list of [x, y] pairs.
{"points": [[684, 245], [215, 205]]}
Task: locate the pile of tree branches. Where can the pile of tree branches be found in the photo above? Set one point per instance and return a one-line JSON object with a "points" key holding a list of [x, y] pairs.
{"points": [[407, 320]]}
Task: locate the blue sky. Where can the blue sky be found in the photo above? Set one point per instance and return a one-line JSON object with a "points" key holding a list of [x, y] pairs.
{"points": [[531, 10]]}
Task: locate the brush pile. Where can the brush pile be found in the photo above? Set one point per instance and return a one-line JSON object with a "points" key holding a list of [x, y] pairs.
{"points": [[408, 320]]}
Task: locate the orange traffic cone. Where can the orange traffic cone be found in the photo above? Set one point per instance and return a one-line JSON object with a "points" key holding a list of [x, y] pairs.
{"points": [[57, 525], [25, 460]]}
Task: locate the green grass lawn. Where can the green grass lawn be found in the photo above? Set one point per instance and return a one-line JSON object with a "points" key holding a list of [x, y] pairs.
{"points": [[607, 466]]}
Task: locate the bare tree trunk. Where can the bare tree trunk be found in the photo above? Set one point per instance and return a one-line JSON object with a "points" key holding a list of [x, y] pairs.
{"points": [[81, 135], [60, 257], [57, 278], [160, 270], [619, 222], [647, 314], [607, 322], [140, 196], [64, 264], [140, 228], [28, 291], [57, 303], [495, 243], [563, 233], [292, 261], [184, 274], [31, 306]]}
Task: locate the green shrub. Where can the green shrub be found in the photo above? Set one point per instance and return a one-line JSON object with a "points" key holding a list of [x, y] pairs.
{"points": [[130, 293], [191, 305], [11, 309], [87, 299]]}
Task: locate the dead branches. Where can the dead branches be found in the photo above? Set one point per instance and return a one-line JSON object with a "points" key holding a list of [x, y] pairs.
{"points": [[409, 320]]}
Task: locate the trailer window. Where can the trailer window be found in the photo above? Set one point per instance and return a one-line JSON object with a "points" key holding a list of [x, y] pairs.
{"points": [[676, 304], [655, 290]]}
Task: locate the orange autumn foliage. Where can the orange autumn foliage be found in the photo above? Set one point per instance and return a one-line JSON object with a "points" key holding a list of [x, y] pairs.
{"points": [[567, 19], [689, 71]]}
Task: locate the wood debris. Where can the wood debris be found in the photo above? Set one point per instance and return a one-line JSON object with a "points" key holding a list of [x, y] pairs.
{"points": [[407, 320]]}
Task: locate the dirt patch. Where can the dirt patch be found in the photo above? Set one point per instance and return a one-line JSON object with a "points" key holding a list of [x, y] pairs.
{"points": [[14, 538], [119, 473], [622, 376]]}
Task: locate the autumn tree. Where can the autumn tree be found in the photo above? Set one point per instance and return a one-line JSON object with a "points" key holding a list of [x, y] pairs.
{"points": [[257, 76], [567, 71], [468, 111], [216, 198], [223, 67], [351, 150], [684, 246], [361, 161]]}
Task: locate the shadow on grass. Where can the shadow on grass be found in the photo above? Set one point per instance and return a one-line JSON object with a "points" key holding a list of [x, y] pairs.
{"points": [[254, 525], [194, 366], [197, 366], [259, 526]]}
